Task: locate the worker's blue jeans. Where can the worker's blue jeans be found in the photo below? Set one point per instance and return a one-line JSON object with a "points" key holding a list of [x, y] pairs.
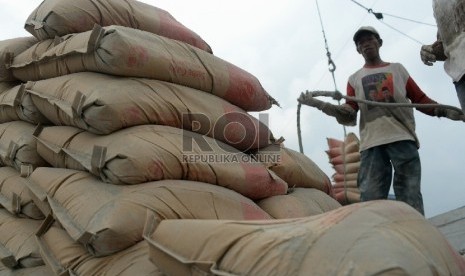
{"points": [[375, 174], [460, 88]]}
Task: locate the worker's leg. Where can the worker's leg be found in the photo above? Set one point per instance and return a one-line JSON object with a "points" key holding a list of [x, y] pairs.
{"points": [[375, 174], [407, 173], [460, 88]]}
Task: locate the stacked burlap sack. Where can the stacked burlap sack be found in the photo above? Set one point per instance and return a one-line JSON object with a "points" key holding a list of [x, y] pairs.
{"points": [[119, 126], [114, 109], [344, 157]]}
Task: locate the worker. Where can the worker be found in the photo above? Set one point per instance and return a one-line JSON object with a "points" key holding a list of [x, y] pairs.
{"points": [[387, 134], [450, 43]]}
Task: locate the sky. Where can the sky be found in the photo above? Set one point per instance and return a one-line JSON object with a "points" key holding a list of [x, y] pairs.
{"points": [[281, 43]]}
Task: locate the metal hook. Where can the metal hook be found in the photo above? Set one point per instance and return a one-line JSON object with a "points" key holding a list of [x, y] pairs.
{"points": [[331, 66]]}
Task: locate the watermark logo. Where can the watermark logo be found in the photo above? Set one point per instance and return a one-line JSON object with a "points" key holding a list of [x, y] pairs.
{"points": [[231, 131]]}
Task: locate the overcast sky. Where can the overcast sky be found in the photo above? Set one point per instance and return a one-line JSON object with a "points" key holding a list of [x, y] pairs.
{"points": [[281, 43]]}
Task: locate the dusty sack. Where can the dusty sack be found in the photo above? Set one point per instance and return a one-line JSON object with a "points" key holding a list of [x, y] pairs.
{"points": [[123, 51], [15, 196], [27, 271], [10, 48], [97, 214], [18, 146], [103, 104], [58, 18], [372, 238], [345, 159], [293, 167], [15, 106], [152, 152], [299, 202], [63, 255], [18, 247]]}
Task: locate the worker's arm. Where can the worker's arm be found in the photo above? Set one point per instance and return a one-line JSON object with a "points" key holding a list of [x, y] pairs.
{"points": [[344, 114], [416, 95]]}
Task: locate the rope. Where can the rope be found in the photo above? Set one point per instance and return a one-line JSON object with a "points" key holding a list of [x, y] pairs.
{"points": [[331, 68], [338, 95], [299, 133]]}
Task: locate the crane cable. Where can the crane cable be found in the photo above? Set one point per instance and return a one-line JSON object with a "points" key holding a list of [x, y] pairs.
{"points": [[331, 68], [380, 16]]}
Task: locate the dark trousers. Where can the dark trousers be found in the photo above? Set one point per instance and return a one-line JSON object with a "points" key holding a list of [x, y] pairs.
{"points": [[375, 175]]}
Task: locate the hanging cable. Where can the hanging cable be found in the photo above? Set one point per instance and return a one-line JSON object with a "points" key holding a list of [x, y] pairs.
{"points": [[411, 20], [380, 16], [331, 68], [402, 33], [331, 64]]}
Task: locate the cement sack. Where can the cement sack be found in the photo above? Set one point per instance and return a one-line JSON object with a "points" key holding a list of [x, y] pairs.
{"points": [[103, 104], [372, 238], [336, 151], [123, 51], [337, 177], [15, 106], [66, 257], [58, 18], [345, 159], [7, 85], [345, 184], [28, 271], [107, 218], [152, 152], [18, 247], [15, 196], [10, 48], [18, 145], [299, 202], [347, 196], [294, 167]]}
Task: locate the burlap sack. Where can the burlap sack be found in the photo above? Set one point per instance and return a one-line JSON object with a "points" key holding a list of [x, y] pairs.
{"points": [[345, 158], [123, 51], [293, 167], [58, 18], [15, 106], [18, 146], [373, 238], [347, 196], [28, 271], [67, 257], [103, 104], [345, 184], [152, 152], [9, 49], [7, 85], [17, 243], [337, 177], [299, 202], [97, 214], [15, 196]]}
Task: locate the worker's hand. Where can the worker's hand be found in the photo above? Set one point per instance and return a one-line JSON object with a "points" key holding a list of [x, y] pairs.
{"points": [[449, 113], [426, 54], [307, 99], [432, 53], [459, 16]]}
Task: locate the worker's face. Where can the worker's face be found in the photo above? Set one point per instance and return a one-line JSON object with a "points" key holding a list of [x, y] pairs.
{"points": [[368, 45]]}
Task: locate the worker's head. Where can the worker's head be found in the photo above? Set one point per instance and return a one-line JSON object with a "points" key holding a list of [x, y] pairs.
{"points": [[366, 39]]}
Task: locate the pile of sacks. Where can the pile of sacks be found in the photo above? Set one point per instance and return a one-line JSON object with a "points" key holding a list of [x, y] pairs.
{"points": [[344, 156], [126, 148]]}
